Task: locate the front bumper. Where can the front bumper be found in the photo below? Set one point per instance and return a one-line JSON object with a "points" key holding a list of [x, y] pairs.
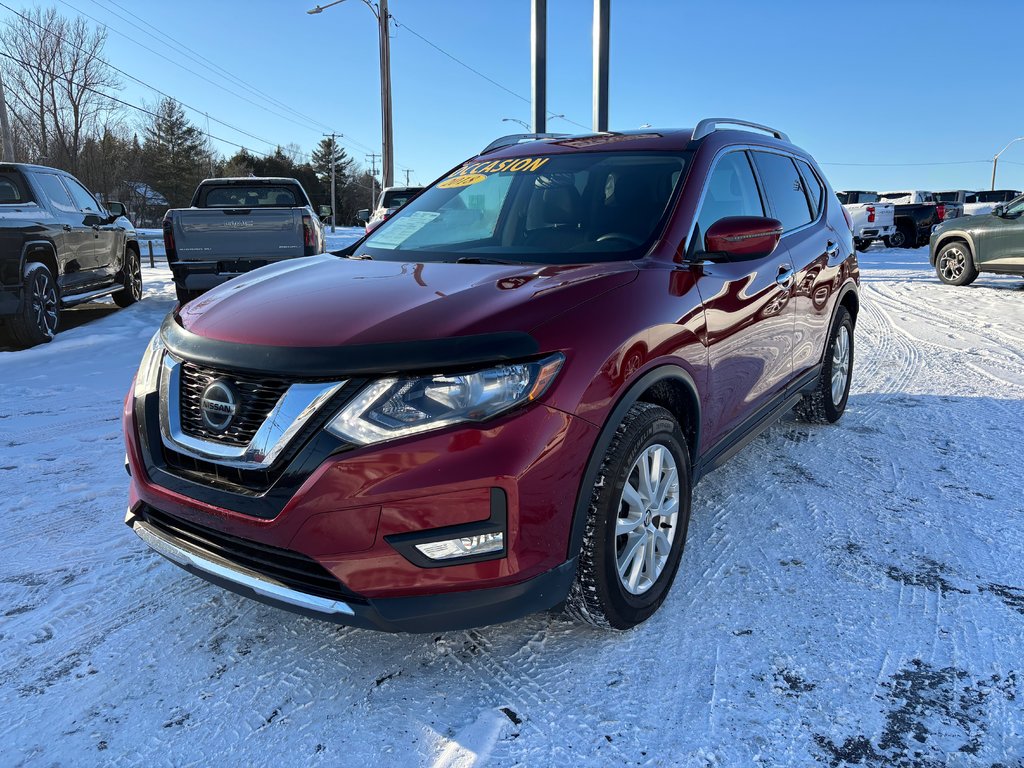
{"points": [[427, 613], [353, 512]]}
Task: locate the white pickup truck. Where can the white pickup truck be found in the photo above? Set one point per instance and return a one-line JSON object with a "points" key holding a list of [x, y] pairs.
{"points": [[872, 219], [985, 202]]}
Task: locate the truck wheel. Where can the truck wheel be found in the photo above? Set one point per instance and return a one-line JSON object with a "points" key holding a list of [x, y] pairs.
{"points": [[955, 265], [827, 402], [39, 318], [863, 245], [131, 279], [184, 295], [636, 523], [902, 237]]}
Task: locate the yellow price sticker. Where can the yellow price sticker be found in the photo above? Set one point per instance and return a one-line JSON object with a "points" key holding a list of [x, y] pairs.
{"points": [[462, 181]]}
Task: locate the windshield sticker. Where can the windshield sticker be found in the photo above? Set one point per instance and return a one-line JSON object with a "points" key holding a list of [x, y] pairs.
{"points": [[462, 181], [400, 230], [511, 165]]}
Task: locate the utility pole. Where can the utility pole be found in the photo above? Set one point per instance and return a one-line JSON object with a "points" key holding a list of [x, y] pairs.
{"points": [[373, 180], [334, 199], [407, 172], [5, 128], [539, 67], [209, 143], [602, 12], [380, 10]]}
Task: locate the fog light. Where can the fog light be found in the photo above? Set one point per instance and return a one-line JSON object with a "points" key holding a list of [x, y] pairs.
{"points": [[467, 546]]}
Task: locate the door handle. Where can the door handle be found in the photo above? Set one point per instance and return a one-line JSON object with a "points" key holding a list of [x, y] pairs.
{"points": [[785, 277], [832, 249]]}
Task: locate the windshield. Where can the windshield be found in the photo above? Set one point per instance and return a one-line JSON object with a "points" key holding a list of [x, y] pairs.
{"points": [[561, 209], [237, 196], [998, 196], [395, 198], [946, 197]]}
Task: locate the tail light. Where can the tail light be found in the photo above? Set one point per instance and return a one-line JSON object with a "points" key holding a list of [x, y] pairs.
{"points": [[846, 215], [941, 210], [308, 235], [871, 214], [169, 249]]}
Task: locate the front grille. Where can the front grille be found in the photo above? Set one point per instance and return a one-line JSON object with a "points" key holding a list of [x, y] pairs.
{"points": [[282, 566], [257, 396]]}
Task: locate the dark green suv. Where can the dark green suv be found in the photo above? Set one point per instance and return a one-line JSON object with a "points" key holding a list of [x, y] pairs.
{"points": [[990, 242]]}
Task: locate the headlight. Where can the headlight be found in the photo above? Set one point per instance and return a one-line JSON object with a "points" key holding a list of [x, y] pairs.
{"points": [[147, 380], [392, 408]]}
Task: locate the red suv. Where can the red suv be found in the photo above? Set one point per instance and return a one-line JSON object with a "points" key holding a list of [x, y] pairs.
{"points": [[498, 402]]}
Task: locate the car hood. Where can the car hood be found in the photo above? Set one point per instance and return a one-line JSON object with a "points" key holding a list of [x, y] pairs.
{"points": [[326, 301]]}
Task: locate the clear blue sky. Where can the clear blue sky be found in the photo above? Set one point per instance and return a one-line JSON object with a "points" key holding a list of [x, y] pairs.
{"points": [[937, 83]]}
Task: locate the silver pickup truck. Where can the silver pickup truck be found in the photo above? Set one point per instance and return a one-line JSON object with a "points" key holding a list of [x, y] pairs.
{"points": [[236, 225]]}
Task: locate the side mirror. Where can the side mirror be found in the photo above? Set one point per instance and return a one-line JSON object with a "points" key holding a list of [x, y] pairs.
{"points": [[998, 211], [116, 209], [363, 215], [325, 211], [742, 238]]}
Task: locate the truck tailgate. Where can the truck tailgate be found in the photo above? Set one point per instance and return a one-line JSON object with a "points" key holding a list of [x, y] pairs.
{"points": [[202, 234]]}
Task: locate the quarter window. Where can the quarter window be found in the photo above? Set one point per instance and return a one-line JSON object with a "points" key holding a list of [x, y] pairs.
{"points": [[812, 186], [785, 189], [732, 191], [55, 192]]}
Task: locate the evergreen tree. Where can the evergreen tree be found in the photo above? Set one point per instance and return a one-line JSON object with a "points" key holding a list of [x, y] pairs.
{"points": [[175, 154]]}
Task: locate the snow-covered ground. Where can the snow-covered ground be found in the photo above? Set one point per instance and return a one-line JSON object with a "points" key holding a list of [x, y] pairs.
{"points": [[849, 595]]}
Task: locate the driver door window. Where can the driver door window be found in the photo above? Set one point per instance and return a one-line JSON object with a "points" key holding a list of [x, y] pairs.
{"points": [[732, 191]]}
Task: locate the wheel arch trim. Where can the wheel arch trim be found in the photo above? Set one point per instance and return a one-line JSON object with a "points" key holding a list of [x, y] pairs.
{"points": [[952, 234], [666, 372]]}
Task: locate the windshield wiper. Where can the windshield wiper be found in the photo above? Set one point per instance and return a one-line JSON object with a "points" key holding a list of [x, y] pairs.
{"points": [[485, 260]]}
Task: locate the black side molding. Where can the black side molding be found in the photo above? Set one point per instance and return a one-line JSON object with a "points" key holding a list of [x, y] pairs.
{"points": [[427, 355]]}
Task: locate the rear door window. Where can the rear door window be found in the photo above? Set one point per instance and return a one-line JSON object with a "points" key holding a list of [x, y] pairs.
{"points": [[732, 191], [785, 189], [55, 192], [11, 189]]}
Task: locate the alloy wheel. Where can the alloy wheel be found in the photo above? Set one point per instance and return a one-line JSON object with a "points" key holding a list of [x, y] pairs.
{"points": [[135, 276], [952, 264], [44, 303], [840, 364], [646, 524]]}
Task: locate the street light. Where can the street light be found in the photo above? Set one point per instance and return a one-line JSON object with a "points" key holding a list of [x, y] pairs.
{"points": [[996, 159], [525, 124], [380, 11]]}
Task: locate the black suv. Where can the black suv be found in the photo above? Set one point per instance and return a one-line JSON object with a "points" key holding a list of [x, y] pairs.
{"points": [[58, 247]]}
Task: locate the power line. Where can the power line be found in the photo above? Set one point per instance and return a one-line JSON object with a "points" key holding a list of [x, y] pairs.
{"points": [[477, 72], [902, 165]]}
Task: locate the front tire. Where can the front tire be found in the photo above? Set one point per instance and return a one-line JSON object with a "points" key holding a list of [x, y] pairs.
{"points": [[827, 402], [131, 279], [39, 318], [955, 265], [636, 523]]}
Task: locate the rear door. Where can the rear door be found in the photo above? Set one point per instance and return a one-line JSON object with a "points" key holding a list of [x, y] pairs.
{"points": [[1002, 239], [797, 199], [746, 308], [75, 239]]}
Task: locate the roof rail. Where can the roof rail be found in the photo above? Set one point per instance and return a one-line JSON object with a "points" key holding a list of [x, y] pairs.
{"points": [[710, 125], [517, 138]]}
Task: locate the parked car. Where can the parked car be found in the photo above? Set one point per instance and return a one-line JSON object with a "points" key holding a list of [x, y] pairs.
{"points": [[391, 199], [916, 213], [236, 225], [985, 202], [58, 247], [871, 220], [962, 248], [499, 400]]}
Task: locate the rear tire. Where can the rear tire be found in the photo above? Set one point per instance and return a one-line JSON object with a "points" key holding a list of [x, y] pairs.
{"points": [[827, 402], [131, 279], [636, 528], [902, 237], [863, 245], [955, 265]]}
